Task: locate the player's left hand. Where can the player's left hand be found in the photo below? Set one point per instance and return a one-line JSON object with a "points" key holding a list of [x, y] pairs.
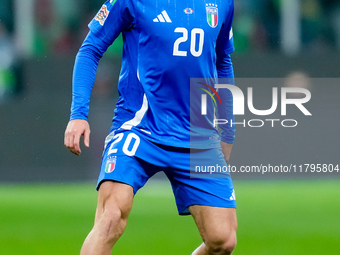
{"points": [[74, 130], [226, 149]]}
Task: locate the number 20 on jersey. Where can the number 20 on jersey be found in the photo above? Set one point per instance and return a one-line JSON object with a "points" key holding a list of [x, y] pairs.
{"points": [[196, 37]]}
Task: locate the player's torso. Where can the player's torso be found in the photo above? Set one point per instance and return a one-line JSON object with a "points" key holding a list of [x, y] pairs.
{"points": [[176, 41], [179, 35]]}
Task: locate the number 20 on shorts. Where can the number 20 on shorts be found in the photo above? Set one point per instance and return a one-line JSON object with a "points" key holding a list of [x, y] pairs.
{"points": [[130, 146]]}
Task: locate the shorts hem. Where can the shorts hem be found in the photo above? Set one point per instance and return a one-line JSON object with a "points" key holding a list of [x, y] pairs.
{"points": [[114, 180], [185, 211]]}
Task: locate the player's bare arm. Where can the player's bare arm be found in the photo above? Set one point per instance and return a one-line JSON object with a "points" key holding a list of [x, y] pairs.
{"points": [[74, 130], [226, 149]]}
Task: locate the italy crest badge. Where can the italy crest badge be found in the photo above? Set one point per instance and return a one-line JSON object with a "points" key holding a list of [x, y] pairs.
{"points": [[212, 15], [110, 164]]}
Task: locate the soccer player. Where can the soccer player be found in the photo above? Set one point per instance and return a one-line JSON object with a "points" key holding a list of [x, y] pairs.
{"points": [[160, 123]]}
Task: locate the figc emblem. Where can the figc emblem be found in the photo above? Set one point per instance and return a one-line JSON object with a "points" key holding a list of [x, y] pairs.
{"points": [[212, 15]]}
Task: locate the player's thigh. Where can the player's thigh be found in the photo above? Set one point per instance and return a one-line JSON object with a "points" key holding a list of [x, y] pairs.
{"points": [[114, 198], [215, 223]]}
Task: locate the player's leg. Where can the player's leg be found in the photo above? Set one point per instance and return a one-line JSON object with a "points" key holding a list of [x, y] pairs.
{"points": [[113, 208], [121, 176], [209, 197], [217, 227]]}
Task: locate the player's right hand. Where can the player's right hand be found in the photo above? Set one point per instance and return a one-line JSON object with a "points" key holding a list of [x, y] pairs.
{"points": [[74, 130]]}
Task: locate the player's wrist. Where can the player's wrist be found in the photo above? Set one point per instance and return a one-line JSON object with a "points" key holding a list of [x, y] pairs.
{"points": [[227, 139], [78, 117]]}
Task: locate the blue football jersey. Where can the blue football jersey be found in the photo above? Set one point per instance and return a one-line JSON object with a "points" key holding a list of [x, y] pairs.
{"points": [[166, 43]]}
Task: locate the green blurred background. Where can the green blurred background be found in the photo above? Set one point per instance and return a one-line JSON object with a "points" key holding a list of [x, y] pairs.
{"points": [[47, 195]]}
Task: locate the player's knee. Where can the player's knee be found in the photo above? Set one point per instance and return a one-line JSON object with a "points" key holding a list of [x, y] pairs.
{"points": [[221, 244], [112, 224], [113, 210]]}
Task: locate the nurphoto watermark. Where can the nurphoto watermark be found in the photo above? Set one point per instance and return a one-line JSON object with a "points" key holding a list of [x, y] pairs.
{"points": [[239, 104]]}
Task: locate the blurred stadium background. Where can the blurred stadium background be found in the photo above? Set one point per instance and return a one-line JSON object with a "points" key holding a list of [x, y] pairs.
{"points": [[47, 196]]}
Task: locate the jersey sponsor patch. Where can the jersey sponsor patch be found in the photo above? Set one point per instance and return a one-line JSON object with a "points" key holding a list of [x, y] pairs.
{"points": [[102, 15], [212, 15], [110, 164]]}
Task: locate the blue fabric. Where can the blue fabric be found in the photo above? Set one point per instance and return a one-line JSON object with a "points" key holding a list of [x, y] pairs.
{"points": [[190, 186], [84, 75], [154, 83]]}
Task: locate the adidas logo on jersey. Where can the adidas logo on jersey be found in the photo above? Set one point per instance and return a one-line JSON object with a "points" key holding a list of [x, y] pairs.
{"points": [[163, 17]]}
